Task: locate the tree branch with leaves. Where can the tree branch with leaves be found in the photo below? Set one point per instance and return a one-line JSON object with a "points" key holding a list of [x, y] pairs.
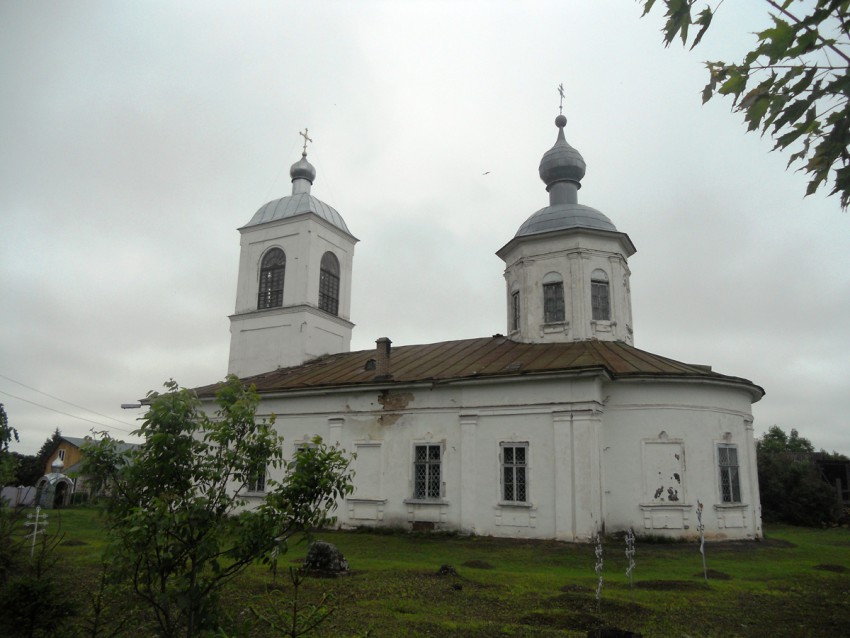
{"points": [[7, 461], [177, 511], [793, 86]]}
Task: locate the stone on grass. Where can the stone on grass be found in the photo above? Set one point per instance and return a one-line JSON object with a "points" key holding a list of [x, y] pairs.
{"points": [[325, 558]]}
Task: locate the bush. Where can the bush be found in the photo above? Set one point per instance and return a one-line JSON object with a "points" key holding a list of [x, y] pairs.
{"points": [[33, 606], [792, 490]]}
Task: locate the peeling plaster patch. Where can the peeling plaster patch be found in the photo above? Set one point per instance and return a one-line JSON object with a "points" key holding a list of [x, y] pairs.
{"points": [[395, 400], [665, 460], [389, 418]]}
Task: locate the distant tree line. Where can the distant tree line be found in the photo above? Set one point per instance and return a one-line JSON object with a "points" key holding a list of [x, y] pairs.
{"points": [[26, 469], [793, 489]]}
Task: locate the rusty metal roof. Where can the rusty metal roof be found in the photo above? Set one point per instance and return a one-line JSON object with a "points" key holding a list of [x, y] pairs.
{"points": [[486, 358]]}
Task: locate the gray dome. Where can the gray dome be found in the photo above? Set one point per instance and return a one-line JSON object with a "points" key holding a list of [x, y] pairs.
{"points": [[297, 204], [562, 161], [563, 217], [302, 169]]}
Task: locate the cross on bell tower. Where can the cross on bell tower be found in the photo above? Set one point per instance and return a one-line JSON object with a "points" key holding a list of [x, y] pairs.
{"points": [[306, 139]]}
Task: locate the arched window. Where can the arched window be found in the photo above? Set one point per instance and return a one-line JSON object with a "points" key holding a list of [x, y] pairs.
{"points": [[272, 269], [329, 284], [600, 300], [553, 298]]}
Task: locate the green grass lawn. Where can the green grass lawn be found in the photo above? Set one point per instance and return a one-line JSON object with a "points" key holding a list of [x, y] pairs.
{"points": [[794, 583]]}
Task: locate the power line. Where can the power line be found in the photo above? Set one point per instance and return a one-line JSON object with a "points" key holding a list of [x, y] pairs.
{"points": [[73, 416], [79, 407]]}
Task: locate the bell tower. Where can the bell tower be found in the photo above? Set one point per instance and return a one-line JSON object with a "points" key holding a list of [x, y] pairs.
{"points": [[566, 268], [293, 294]]}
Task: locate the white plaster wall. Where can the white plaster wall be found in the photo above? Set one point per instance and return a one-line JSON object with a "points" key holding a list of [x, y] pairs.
{"points": [[268, 339], [304, 239], [574, 257], [585, 438], [263, 340], [694, 417]]}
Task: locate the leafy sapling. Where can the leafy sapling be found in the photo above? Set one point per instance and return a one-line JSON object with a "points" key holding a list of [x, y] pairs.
{"points": [[176, 512], [630, 554], [701, 530], [598, 570]]}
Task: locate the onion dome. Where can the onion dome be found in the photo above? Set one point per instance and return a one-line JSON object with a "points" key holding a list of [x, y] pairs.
{"points": [[302, 169], [564, 216], [562, 161], [561, 169], [301, 202]]}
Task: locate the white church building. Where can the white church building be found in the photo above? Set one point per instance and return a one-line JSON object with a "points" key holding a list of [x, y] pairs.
{"points": [[561, 429]]}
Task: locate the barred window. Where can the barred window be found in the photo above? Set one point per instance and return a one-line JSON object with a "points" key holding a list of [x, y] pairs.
{"points": [[301, 449], [329, 284], [600, 301], [553, 302], [272, 270], [257, 482], [515, 310], [730, 487], [515, 472], [426, 471]]}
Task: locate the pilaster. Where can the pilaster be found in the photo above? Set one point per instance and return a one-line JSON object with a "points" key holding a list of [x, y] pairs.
{"points": [[468, 501]]}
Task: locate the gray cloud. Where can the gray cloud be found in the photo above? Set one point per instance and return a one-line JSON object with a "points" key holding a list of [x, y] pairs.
{"points": [[136, 139]]}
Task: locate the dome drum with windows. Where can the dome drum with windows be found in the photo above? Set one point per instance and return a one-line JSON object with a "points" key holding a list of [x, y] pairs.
{"points": [[566, 270]]}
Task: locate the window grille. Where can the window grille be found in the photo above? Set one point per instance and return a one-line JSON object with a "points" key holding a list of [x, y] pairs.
{"points": [[553, 302], [329, 284], [301, 449], [515, 472], [730, 487], [257, 482], [426, 471], [272, 271], [515, 310], [600, 300]]}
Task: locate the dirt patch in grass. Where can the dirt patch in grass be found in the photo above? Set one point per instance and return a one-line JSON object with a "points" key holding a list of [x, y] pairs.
{"points": [[73, 542], [826, 567], [771, 542], [576, 589], [562, 620], [670, 585], [586, 602], [477, 564], [713, 574], [580, 611]]}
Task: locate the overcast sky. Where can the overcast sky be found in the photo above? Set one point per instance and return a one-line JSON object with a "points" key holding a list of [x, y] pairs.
{"points": [[135, 138]]}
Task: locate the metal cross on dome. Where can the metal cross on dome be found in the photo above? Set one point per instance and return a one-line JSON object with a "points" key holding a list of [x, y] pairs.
{"points": [[561, 93], [306, 139]]}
